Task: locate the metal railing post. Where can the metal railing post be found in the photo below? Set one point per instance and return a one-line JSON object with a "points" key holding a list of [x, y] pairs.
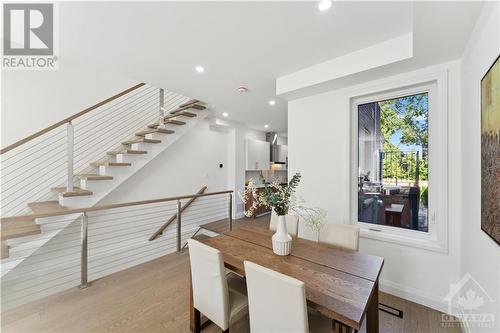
{"points": [[70, 146], [230, 212], [84, 251], [179, 208], [161, 124]]}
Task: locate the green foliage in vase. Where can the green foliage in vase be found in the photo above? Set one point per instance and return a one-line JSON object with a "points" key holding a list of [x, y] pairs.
{"points": [[281, 199]]}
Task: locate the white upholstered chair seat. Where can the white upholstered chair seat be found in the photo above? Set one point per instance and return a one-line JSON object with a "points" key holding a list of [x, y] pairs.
{"points": [[238, 301]]}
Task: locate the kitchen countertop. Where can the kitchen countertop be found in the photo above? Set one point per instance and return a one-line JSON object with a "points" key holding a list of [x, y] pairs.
{"points": [[262, 185]]}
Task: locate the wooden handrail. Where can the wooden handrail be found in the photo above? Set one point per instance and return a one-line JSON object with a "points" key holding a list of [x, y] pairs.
{"points": [[67, 120], [104, 207], [174, 217]]}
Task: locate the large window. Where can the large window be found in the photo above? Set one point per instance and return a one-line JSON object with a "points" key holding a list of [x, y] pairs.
{"points": [[393, 162]]}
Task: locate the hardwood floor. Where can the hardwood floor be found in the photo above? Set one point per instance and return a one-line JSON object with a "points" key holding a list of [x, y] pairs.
{"points": [[153, 297]]}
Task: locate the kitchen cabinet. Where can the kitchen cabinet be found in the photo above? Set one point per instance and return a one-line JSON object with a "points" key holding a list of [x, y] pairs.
{"points": [[283, 154], [258, 153]]}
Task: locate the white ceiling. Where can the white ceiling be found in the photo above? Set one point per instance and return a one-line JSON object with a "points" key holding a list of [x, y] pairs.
{"points": [[249, 43]]}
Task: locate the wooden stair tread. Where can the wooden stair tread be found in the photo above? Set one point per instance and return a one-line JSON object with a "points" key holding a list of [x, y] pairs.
{"points": [[20, 228], [92, 176], [110, 164], [155, 130], [193, 101], [174, 122], [171, 119], [141, 140], [197, 107], [43, 207], [191, 106], [127, 151], [19, 232], [184, 114], [77, 192]]}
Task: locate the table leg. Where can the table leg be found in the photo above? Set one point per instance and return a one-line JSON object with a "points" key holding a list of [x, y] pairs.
{"points": [[372, 312], [340, 328]]}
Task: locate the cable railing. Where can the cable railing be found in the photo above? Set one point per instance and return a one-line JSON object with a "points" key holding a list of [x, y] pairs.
{"points": [[53, 156], [104, 239]]}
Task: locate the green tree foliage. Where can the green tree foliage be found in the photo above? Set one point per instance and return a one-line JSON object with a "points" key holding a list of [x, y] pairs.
{"points": [[407, 116]]}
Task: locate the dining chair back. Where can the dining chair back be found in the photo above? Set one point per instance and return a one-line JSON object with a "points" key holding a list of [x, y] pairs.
{"points": [[340, 235], [208, 277], [292, 223], [276, 302]]}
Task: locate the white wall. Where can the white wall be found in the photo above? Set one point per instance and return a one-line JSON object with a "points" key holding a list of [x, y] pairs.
{"points": [[33, 100], [412, 273], [480, 254], [184, 168]]}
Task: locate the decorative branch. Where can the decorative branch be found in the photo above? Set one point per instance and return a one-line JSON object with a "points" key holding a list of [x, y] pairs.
{"points": [[282, 200]]}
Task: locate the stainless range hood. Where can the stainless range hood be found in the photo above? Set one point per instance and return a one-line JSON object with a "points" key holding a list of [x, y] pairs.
{"points": [[277, 157]]}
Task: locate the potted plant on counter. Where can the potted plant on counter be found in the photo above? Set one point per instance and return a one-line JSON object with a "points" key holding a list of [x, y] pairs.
{"points": [[281, 199]]}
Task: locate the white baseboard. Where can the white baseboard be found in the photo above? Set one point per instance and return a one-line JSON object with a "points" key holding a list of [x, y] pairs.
{"points": [[430, 300]]}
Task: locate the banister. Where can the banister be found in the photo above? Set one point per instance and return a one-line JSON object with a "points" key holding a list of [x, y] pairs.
{"points": [[66, 120], [110, 206], [174, 217]]}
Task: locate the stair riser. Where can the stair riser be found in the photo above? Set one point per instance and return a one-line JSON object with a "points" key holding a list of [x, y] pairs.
{"points": [[130, 158], [76, 202], [143, 146], [96, 186], [157, 136]]}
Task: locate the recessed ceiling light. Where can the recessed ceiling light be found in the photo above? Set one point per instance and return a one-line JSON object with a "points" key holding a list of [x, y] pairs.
{"points": [[266, 126], [225, 114], [199, 69], [272, 102], [324, 5], [242, 89]]}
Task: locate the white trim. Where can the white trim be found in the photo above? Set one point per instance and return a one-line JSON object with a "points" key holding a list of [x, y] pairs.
{"points": [[414, 295], [436, 84]]}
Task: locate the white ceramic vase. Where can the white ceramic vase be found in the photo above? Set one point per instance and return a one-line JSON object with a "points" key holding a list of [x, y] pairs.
{"points": [[282, 241]]}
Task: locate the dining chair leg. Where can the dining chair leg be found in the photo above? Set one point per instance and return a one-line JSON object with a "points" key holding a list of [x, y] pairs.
{"points": [[197, 321]]}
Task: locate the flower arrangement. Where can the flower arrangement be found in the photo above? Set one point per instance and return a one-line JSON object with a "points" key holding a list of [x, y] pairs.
{"points": [[281, 199]]}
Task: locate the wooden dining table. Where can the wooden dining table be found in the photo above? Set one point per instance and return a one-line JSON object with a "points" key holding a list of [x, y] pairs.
{"points": [[340, 284]]}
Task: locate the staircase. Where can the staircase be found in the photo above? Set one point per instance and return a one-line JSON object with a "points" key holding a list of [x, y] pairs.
{"points": [[80, 160]]}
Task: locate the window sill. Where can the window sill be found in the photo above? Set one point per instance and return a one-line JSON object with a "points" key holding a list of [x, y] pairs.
{"points": [[411, 238]]}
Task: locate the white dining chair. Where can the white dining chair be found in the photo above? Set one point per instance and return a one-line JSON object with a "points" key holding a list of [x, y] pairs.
{"points": [[341, 235], [221, 297], [277, 303], [292, 223]]}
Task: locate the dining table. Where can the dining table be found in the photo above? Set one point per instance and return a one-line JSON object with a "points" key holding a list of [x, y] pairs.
{"points": [[341, 284]]}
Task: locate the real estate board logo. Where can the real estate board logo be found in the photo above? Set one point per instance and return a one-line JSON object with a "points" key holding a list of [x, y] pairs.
{"points": [[468, 302], [29, 36]]}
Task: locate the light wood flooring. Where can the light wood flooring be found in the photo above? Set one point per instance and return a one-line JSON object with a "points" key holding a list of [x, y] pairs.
{"points": [[153, 297]]}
